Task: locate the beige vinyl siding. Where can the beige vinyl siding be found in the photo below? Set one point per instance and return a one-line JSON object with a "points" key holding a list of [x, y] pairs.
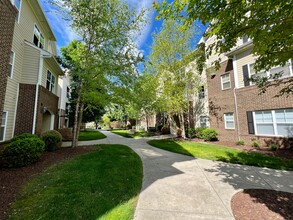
{"points": [[214, 56], [242, 59], [30, 68], [47, 67]]}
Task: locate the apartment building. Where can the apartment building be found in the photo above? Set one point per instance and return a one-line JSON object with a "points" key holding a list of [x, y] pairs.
{"points": [[237, 110], [64, 102], [7, 21], [31, 101]]}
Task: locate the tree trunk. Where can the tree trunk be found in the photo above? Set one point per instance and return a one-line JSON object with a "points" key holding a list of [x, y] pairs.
{"points": [[147, 123], [80, 119], [75, 125], [182, 127]]}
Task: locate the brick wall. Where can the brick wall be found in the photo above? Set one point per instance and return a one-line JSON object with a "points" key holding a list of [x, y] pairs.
{"points": [[25, 109], [7, 21], [221, 101]]}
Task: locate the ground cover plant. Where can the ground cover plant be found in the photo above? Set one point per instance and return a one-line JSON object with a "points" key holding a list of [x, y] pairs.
{"points": [[89, 135], [137, 134], [222, 153], [90, 186]]}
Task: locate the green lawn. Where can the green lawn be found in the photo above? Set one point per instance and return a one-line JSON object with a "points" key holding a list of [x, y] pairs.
{"points": [[125, 133], [221, 153], [103, 184], [90, 135]]}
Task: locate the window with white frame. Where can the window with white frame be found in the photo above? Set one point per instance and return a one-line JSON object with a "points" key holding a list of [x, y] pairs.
{"points": [[225, 81], [201, 92], [39, 39], [17, 4], [274, 122], [229, 120], [3, 126], [50, 85], [203, 121], [283, 71], [10, 65]]}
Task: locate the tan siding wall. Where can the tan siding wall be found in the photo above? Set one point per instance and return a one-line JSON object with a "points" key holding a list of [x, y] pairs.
{"points": [[30, 68], [242, 59], [214, 56]]}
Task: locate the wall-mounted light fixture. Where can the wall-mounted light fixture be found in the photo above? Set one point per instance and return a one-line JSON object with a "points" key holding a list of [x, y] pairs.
{"points": [[43, 109]]}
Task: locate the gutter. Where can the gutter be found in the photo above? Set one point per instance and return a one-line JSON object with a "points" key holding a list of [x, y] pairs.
{"points": [[236, 111]]}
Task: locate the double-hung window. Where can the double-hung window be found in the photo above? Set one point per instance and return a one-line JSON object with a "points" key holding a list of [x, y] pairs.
{"points": [[3, 126], [17, 4], [274, 122], [229, 120], [201, 92], [203, 121], [10, 65], [50, 85], [225, 81], [39, 39]]}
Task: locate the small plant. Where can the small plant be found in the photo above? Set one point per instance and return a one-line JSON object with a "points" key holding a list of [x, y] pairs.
{"points": [[23, 152], [240, 142], [210, 134], [273, 146], [199, 132], [165, 130], [190, 132], [255, 144], [24, 136], [52, 139]]}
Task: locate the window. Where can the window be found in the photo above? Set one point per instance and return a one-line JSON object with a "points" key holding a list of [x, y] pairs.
{"points": [[274, 122], [17, 4], [201, 92], [10, 66], [3, 126], [68, 92], [39, 40], [50, 85], [229, 120], [203, 121], [225, 81]]}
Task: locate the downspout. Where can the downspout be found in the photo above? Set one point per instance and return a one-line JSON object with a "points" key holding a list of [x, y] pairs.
{"points": [[235, 70], [236, 111]]}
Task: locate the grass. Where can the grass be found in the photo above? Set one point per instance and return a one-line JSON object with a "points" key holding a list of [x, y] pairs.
{"points": [[90, 135], [125, 133], [103, 184], [221, 153]]}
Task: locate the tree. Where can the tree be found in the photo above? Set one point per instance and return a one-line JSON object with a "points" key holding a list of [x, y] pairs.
{"points": [[106, 57], [268, 23], [171, 52]]}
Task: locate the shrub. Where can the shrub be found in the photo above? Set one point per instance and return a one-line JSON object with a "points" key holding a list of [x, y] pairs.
{"points": [[190, 132], [165, 130], [66, 134], [23, 152], [159, 128], [24, 136], [210, 134], [52, 139], [240, 142], [273, 146], [179, 132], [255, 144], [128, 127], [199, 132]]}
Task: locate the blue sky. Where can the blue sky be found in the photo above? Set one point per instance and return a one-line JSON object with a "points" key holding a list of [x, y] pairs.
{"points": [[65, 34]]}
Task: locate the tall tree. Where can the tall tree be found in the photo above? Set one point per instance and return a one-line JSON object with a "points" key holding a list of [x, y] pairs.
{"points": [[167, 61], [268, 23], [108, 53]]}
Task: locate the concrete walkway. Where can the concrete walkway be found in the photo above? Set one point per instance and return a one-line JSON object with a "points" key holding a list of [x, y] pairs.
{"points": [[181, 187]]}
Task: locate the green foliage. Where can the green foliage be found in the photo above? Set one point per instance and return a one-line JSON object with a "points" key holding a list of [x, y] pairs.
{"points": [[191, 133], [52, 139], [268, 23], [165, 130], [106, 121], [239, 142], [22, 152], [273, 146], [199, 132], [255, 144], [24, 136], [103, 184], [210, 134]]}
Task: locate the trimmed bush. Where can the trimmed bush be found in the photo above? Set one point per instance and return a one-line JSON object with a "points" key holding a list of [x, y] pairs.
{"points": [[199, 132], [24, 136], [210, 134], [190, 132], [179, 132], [240, 142], [52, 139], [165, 130], [152, 129], [22, 152], [66, 134]]}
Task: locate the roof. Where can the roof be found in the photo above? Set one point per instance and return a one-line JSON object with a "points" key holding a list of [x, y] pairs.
{"points": [[241, 48]]}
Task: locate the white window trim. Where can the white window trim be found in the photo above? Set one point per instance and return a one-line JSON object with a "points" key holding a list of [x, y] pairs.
{"points": [[52, 74], [12, 68], [19, 10], [4, 133], [222, 81], [35, 25], [229, 121], [274, 125]]}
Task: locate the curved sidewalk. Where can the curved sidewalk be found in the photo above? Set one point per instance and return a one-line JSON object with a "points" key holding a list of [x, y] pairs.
{"points": [[181, 187]]}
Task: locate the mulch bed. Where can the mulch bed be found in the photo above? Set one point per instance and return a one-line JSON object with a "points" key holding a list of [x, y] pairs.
{"points": [[251, 204], [12, 179]]}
